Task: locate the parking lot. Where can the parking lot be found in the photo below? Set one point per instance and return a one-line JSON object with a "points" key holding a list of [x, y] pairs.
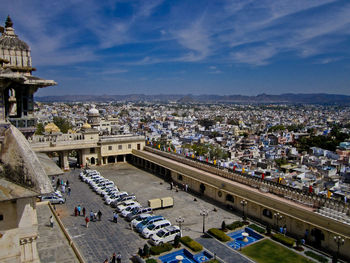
{"points": [[101, 239]]}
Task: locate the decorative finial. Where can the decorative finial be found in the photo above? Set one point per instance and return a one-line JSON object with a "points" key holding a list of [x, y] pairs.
{"points": [[8, 22]]}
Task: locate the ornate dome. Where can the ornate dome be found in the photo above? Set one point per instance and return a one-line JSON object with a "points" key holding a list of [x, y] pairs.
{"points": [[9, 40], [51, 128], [93, 111], [86, 126]]}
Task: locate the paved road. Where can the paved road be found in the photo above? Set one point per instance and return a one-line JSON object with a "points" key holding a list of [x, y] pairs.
{"points": [[101, 239]]}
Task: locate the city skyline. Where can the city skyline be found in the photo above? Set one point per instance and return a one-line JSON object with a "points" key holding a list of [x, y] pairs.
{"points": [[207, 47]]}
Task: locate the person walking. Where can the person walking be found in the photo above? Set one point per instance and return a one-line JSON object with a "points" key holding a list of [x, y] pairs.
{"points": [[99, 214], [79, 209], [68, 190], [84, 211], [106, 260], [115, 217], [51, 221], [67, 183], [119, 258], [171, 185], [58, 183], [113, 258], [87, 220], [75, 211], [91, 216], [186, 187]]}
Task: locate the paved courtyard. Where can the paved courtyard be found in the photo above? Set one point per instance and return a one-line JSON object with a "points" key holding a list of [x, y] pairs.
{"points": [[101, 239]]}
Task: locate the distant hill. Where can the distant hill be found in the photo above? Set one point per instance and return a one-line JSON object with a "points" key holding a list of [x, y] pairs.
{"points": [[288, 98]]}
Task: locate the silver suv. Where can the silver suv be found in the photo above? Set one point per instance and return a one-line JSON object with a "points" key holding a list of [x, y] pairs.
{"points": [[53, 199]]}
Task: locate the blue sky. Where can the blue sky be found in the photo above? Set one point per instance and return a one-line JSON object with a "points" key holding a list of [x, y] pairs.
{"points": [[187, 46]]}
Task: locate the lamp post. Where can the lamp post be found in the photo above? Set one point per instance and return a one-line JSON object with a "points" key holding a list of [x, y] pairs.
{"points": [[339, 240], [244, 204], [180, 220], [204, 213], [278, 217]]}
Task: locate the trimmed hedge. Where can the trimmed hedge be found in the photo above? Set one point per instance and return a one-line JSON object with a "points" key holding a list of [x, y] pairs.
{"points": [[257, 228], [288, 241], [151, 260], [156, 250], [189, 242], [235, 225], [219, 234], [318, 257]]}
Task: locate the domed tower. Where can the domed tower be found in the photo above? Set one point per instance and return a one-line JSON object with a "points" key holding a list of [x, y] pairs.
{"points": [[17, 84], [15, 51], [94, 118]]}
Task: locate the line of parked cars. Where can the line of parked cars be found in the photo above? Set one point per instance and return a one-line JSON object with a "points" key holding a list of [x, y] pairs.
{"points": [[54, 198], [155, 227]]}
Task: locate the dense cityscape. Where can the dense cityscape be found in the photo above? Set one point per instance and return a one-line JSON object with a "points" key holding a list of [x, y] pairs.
{"points": [[174, 131], [306, 147]]}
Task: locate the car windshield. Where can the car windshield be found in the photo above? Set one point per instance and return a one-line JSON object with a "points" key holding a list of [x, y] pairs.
{"points": [[161, 233], [150, 227], [135, 211]]}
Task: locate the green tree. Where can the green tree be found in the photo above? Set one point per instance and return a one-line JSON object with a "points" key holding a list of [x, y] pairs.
{"points": [[63, 124], [223, 226], [146, 251], [40, 129]]}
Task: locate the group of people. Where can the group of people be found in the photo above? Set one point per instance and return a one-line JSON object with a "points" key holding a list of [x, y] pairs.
{"points": [[184, 187], [62, 185], [114, 259], [93, 216]]}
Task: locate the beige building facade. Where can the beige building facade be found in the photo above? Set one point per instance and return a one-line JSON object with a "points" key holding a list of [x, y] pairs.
{"points": [[264, 202]]}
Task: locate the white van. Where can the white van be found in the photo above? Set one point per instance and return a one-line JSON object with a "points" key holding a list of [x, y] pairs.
{"points": [[165, 235], [130, 209], [125, 204], [147, 232], [139, 219]]}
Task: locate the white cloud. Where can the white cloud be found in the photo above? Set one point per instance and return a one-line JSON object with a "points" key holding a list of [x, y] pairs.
{"points": [[243, 31]]}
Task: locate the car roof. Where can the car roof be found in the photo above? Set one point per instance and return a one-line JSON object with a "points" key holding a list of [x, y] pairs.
{"points": [[129, 202], [161, 222], [171, 228]]}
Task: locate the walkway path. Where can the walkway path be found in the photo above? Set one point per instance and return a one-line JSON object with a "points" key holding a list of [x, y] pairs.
{"points": [[52, 244], [222, 251]]}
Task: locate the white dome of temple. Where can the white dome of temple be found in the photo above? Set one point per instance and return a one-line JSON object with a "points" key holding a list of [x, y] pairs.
{"points": [[93, 111]]}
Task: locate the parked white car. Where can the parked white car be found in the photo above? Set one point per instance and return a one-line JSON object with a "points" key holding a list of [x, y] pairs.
{"points": [[147, 232], [92, 178], [125, 198], [108, 190], [135, 213], [139, 219], [114, 197], [130, 209], [96, 181], [125, 204], [98, 188], [58, 193], [165, 235]]}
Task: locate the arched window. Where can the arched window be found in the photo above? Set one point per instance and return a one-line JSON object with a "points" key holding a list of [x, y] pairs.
{"points": [[267, 213], [230, 198], [202, 188]]}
